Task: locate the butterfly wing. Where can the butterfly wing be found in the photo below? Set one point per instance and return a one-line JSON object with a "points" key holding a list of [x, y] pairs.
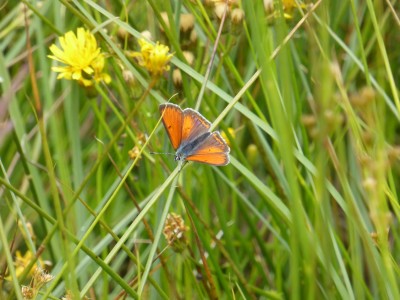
{"points": [[194, 125], [172, 118], [212, 151]]}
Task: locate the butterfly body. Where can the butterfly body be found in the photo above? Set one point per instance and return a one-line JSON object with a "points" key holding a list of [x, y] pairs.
{"points": [[190, 137]]}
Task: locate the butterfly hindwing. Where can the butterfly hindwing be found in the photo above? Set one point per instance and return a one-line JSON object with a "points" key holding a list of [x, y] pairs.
{"points": [[215, 159], [213, 151], [172, 118], [214, 143]]}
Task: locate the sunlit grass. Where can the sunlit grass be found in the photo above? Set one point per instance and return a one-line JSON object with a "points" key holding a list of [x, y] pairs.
{"points": [[305, 95]]}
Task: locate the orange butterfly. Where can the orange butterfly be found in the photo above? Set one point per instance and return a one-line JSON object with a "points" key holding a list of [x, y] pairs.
{"points": [[189, 134]]}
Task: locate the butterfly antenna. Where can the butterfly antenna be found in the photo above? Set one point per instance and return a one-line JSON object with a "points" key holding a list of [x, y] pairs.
{"points": [[210, 64], [167, 153], [170, 98]]}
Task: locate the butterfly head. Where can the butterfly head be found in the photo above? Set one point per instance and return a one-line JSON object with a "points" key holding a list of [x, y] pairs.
{"points": [[179, 157]]}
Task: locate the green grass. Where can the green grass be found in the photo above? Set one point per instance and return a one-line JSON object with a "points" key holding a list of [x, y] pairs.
{"points": [[308, 208]]}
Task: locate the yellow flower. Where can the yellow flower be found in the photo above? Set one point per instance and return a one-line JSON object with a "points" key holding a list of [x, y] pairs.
{"points": [[154, 58], [21, 262], [83, 59], [225, 136], [288, 6]]}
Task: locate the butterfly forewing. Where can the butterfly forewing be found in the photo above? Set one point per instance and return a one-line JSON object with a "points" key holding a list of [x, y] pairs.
{"points": [[172, 118], [194, 125]]}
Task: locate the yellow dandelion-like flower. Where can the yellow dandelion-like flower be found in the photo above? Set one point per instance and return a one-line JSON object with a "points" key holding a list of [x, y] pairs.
{"points": [[155, 58], [22, 261], [288, 6], [82, 57]]}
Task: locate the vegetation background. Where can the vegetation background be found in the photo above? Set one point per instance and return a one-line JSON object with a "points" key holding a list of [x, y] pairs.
{"points": [[305, 93]]}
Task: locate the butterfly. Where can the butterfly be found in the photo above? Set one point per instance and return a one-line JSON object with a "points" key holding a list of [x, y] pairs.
{"points": [[190, 137]]}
